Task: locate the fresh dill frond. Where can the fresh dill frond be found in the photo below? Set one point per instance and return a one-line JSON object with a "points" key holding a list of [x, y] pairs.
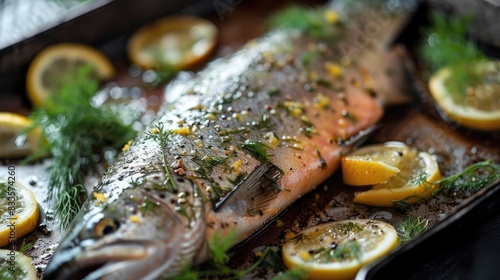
{"points": [[410, 227], [219, 246], [404, 205], [25, 246], [78, 134], [313, 21], [446, 44], [268, 259], [160, 135], [473, 178]]}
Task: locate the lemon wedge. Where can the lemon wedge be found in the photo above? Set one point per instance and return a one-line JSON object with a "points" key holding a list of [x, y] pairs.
{"points": [[410, 185], [56, 63], [372, 164], [19, 211], [178, 42], [338, 250], [16, 266], [14, 142], [480, 107]]}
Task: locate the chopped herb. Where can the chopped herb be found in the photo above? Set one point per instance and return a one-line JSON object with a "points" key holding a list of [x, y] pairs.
{"points": [[322, 82], [256, 149], [148, 206], [209, 162], [264, 123], [349, 227], [321, 159], [309, 129], [350, 117], [299, 238], [187, 212], [349, 249], [308, 57], [274, 92], [236, 181]]}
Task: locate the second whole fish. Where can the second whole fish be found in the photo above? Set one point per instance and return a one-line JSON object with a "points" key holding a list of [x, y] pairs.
{"points": [[235, 146]]}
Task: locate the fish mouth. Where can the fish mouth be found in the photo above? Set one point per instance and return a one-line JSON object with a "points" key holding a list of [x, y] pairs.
{"points": [[96, 263]]}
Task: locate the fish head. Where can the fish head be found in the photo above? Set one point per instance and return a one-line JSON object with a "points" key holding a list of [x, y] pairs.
{"points": [[138, 234]]}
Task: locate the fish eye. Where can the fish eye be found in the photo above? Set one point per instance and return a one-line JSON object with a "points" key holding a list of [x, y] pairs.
{"points": [[105, 226]]}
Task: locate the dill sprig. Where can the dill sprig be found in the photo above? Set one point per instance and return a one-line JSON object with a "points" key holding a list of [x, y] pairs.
{"points": [[78, 134], [410, 227], [446, 45], [25, 246], [473, 178], [313, 21], [268, 259], [159, 134]]}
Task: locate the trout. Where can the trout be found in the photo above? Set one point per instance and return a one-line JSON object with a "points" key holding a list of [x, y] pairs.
{"points": [[236, 145]]}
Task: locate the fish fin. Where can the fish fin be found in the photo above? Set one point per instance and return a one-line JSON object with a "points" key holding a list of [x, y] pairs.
{"points": [[255, 192]]}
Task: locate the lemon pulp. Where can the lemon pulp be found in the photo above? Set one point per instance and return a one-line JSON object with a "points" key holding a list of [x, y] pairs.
{"points": [[412, 184], [54, 64], [16, 266], [177, 42], [372, 164], [19, 211], [339, 249], [479, 108]]}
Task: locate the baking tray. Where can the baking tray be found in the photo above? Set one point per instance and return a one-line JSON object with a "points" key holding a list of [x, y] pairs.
{"points": [[418, 124], [94, 22]]}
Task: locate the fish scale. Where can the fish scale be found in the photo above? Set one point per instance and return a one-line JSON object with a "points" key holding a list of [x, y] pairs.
{"points": [[251, 134]]}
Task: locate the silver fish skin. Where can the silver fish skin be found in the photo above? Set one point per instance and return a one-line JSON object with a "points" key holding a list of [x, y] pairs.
{"points": [[232, 148]]}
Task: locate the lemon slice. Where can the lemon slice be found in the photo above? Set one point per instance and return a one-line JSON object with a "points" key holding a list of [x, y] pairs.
{"points": [[60, 62], [14, 143], [410, 185], [372, 164], [480, 108], [16, 266], [18, 211], [338, 250], [178, 42]]}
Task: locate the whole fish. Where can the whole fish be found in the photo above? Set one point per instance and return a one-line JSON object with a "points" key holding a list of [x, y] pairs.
{"points": [[235, 146]]}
